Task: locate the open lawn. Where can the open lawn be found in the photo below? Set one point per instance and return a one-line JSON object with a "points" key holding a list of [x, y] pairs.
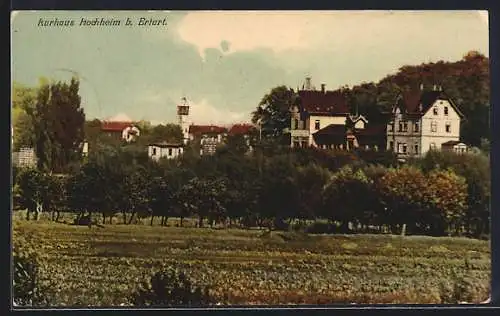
{"points": [[102, 266]]}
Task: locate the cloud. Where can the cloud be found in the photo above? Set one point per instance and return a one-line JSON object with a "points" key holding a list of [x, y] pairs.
{"points": [[245, 30], [205, 113], [331, 31]]}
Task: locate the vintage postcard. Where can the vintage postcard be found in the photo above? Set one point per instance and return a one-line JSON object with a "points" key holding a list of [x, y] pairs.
{"points": [[222, 158]]}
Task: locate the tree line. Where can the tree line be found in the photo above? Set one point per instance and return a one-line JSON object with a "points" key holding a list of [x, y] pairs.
{"points": [[348, 192]]}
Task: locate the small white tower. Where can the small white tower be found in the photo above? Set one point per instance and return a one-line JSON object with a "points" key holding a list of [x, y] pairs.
{"points": [[183, 115]]}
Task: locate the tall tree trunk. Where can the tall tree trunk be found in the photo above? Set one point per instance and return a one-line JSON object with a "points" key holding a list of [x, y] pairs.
{"points": [[27, 214], [200, 221], [124, 217], [182, 220], [152, 217], [131, 217]]}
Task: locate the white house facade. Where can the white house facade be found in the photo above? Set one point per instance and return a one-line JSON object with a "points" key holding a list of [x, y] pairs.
{"points": [[165, 150], [422, 121], [317, 109]]}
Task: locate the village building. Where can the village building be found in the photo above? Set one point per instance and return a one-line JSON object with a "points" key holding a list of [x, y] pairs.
{"points": [[24, 158], [156, 151], [244, 130], [209, 137], [423, 120], [322, 119], [120, 127]]}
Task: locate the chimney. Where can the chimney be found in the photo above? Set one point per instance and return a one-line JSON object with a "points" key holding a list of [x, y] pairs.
{"points": [[308, 83], [323, 87]]}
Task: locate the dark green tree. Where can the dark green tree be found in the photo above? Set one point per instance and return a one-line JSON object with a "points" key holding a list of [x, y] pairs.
{"points": [[58, 121], [273, 113]]}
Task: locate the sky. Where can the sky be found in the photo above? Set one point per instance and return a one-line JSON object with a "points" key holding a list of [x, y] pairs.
{"points": [[224, 62]]}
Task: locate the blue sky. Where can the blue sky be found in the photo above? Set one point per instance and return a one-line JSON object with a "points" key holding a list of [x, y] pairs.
{"points": [[224, 62]]}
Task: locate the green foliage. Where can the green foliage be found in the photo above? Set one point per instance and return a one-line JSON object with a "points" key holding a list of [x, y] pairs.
{"points": [[23, 102], [28, 290], [273, 112], [170, 288], [58, 125], [341, 196]]}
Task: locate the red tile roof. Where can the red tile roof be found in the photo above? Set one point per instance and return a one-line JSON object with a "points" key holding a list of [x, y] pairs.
{"points": [[206, 129], [409, 101], [115, 126], [241, 129], [329, 102]]}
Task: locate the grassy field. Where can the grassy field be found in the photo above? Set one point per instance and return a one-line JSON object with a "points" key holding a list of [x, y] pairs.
{"points": [[102, 266]]}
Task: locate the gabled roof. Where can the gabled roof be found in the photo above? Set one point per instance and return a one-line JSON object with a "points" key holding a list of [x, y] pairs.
{"points": [[115, 126], [241, 129], [206, 129], [331, 134], [418, 102], [319, 102]]}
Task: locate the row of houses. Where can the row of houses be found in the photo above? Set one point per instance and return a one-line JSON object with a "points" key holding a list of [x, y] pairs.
{"points": [[420, 120]]}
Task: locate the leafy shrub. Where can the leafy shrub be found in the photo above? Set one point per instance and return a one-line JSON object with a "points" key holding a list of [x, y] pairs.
{"points": [[320, 228], [27, 288], [170, 287]]}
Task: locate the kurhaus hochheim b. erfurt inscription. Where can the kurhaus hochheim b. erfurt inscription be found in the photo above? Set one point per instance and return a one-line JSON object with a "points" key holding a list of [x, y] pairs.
{"points": [[55, 22]]}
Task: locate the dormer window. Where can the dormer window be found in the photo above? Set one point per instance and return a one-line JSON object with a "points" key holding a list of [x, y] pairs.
{"points": [[435, 110], [446, 110]]}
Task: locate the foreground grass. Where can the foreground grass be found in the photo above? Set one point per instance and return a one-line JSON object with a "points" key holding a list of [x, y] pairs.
{"points": [[102, 266]]}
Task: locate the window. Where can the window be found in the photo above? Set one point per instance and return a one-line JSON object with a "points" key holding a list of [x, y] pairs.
{"points": [[296, 144], [154, 151], [405, 126], [416, 149], [433, 126], [296, 122], [170, 151], [445, 110], [448, 128], [405, 149], [391, 145], [316, 124], [400, 127], [391, 127], [432, 146], [416, 127], [435, 110]]}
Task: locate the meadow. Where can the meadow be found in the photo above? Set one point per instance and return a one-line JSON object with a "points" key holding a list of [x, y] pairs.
{"points": [[102, 266]]}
